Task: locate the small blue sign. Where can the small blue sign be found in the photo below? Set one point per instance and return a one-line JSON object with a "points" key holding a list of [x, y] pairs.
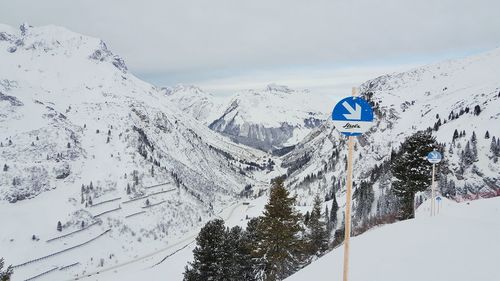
{"points": [[352, 116], [434, 157]]}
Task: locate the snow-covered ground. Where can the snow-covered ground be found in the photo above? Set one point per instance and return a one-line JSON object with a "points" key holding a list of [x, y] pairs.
{"points": [[459, 244]]}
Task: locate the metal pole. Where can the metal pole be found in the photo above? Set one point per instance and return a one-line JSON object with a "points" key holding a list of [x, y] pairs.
{"points": [[347, 234]]}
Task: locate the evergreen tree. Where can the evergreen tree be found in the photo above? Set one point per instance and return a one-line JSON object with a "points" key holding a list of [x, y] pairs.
{"points": [[208, 253], [487, 135], [317, 237], [455, 135], [279, 229], [411, 171], [495, 149], [221, 254], [59, 226], [328, 221], [5, 167], [364, 196], [306, 218], [468, 156], [333, 211], [474, 147], [237, 262], [477, 110], [128, 188], [5, 274], [253, 236]]}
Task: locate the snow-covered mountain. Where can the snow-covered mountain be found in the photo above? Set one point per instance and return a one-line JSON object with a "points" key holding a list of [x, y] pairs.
{"points": [[269, 119], [86, 143], [202, 106], [462, 95]]}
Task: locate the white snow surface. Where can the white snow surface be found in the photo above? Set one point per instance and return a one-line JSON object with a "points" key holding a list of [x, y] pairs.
{"points": [[71, 114], [275, 116], [458, 244]]}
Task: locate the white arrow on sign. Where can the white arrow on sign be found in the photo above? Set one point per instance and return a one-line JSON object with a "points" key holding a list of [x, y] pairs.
{"points": [[354, 114]]}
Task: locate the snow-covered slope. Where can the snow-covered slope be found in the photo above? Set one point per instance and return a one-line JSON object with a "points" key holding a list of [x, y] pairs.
{"points": [[195, 102], [270, 119], [84, 142], [458, 244], [441, 96]]}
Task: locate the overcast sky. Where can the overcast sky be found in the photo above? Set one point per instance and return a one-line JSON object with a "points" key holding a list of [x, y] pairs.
{"points": [[232, 44]]}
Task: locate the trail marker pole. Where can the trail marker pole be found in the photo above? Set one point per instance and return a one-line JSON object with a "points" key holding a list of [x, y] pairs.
{"points": [[433, 157], [433, 195], [352, 116], [347, 234]]}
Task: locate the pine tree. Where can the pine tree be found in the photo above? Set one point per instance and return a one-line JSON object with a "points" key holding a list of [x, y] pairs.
{"points": [[253, 236], [237, 263], [328, 221], [474, 147], [317, 237], [279, 229], [411, 171], [455, 135], [59, 226], [469, 154], [495, 149], [208, 253], [477, 110], [128, 188], [5, 167], [306, 218], [364, 196], [487, 135], [7, 273], [333, 212]]}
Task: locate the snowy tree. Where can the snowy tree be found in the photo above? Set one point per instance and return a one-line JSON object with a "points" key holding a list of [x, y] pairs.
{"points": [[59, 226], [333, 213], [317, 237], [128, 189], [5, 274], [411, 171], [208, 253], [495, 149], [221, 254], [364, 196], [5, 167], [455, 135], [477, 110], [280, 244], [487, 135], [469, 155]]}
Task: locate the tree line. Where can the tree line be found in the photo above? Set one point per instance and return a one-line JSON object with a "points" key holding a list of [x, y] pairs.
{"points": [[272, 247]]}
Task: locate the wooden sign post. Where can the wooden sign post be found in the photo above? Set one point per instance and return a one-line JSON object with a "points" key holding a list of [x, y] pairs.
{"points": [[433, 157], [352, 116], [347, 235]]}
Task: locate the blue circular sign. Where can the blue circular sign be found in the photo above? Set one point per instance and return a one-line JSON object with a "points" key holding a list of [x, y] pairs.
{"points": [[352, 116], [434, 157]]}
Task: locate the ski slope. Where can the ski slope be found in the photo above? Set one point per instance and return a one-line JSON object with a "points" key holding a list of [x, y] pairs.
{"points": [[459, 244]]}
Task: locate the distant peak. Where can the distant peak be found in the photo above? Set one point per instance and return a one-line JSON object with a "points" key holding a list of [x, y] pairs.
{"points": [[181, 88], [273, 87], [25, 27]]}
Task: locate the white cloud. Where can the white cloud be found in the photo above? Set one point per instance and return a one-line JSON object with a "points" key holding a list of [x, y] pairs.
{"points": [[184, 39]]}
